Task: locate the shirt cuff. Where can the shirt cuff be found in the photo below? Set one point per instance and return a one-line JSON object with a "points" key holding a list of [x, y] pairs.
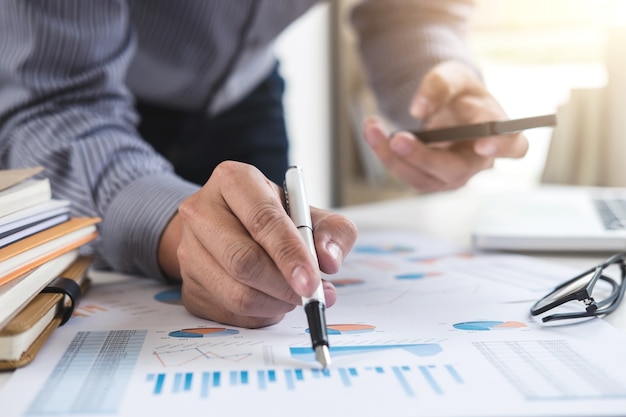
{"points": [[134, 222]]}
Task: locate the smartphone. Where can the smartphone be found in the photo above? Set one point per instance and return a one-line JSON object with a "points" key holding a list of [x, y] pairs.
{"points": [[477, 130]]}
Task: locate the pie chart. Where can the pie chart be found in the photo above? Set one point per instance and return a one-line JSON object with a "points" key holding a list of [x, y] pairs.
{"points": [[337, 329], [204, 332], [171, 296], [489, 325]]}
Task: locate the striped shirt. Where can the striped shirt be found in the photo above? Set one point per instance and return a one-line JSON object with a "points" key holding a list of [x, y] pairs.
{"points": [[70, 71]]}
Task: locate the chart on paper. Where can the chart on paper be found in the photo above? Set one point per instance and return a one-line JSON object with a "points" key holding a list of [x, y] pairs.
{"points": [[99, 368], [416, 326]]}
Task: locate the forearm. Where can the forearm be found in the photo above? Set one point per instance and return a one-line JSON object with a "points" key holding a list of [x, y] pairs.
{"points": [[400, 40]]}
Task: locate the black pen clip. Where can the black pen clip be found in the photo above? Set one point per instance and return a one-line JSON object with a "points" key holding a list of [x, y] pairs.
{"points": [[286, 194]]}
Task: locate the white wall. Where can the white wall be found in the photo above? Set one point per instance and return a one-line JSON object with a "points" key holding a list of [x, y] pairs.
{"points": [[303, 50]]}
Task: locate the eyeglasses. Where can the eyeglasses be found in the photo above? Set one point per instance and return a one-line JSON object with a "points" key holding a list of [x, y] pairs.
{"points": [[599, 289]]}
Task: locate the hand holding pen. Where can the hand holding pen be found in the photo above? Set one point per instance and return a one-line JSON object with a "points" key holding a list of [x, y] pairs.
{"points": [[242, 259]]}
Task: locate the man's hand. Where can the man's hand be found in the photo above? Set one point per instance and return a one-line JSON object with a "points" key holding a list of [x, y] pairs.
{"points": [[241, 258], [450, 94]]}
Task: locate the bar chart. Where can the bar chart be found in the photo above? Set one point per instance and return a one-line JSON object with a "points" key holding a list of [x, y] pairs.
{"points": [[410, 380]]}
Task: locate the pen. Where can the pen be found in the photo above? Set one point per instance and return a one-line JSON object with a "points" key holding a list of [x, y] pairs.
{"points": [[471, 131], [314, 306]]}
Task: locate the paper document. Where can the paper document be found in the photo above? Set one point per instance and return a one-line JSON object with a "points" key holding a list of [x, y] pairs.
{"points": [[419, 329], [11, 177]]}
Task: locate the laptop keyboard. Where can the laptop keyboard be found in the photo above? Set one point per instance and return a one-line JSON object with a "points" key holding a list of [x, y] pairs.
{"points": [[612, 211]]}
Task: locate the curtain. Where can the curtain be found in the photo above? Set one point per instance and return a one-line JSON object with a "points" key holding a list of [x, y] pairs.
{"points": [[588, 145]]}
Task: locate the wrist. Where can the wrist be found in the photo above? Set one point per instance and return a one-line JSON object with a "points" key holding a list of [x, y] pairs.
{"points": [[168, 246]]}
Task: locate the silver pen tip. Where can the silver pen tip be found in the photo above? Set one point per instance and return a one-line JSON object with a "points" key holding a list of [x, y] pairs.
{"points": [[322, 355]]}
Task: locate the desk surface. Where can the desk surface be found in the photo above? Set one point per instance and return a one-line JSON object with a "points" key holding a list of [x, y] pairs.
{"points": [[447, 216]]}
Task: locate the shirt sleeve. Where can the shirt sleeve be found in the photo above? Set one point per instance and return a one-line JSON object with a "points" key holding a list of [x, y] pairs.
{"points": [[400, 40], [64, 106]]}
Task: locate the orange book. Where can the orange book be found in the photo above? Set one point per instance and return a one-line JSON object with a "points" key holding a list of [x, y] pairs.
{"points": [[14, 295], [24, 255]]}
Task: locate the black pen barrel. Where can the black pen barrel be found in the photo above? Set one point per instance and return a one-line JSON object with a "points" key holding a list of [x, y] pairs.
{"points": [[315, 314]]}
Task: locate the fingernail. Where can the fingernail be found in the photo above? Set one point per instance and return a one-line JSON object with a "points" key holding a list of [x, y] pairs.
{"points": [[401, 145], [371, 137], [335, 251], [330, 293], [485, 149], [419, 107], [299, 280]]}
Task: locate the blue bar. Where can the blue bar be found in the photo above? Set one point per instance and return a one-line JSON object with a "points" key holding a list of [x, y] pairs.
{"points": [[316, 372], [158, 387], [352, 371], [188, 378], [289, 380], [379, 370], [326, 372], [403, 382], [244, 377], [344, 377], [233, 377], [216, 379], [454, 374], [261, 377], [204, 391], [299, 375], [431, 380], [271, 374], [178, 377]]}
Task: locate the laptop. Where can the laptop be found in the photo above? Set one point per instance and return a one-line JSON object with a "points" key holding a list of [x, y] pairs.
{"points": [[555, 219]]}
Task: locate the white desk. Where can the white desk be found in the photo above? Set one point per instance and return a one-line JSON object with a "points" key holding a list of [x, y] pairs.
{"points": [[445, 216], [449, 216]]}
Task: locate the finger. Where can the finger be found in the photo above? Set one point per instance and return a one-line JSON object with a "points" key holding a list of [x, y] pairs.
{"points": [[452, 165], [261, 212], [378, 140], [411, 174], [330, 293], [441, 85], [235, 252], [474, 109], [334, 237], [209, 291], [247, 262], [504, 146], [427, 168], [203, 304], [466, 109], [241, 306]]}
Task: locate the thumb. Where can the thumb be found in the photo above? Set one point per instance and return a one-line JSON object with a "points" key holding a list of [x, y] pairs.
{"points": [[441, 85]]}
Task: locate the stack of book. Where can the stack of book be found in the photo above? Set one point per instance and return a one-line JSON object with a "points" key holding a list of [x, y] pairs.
{"points": [[42, 274]]}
